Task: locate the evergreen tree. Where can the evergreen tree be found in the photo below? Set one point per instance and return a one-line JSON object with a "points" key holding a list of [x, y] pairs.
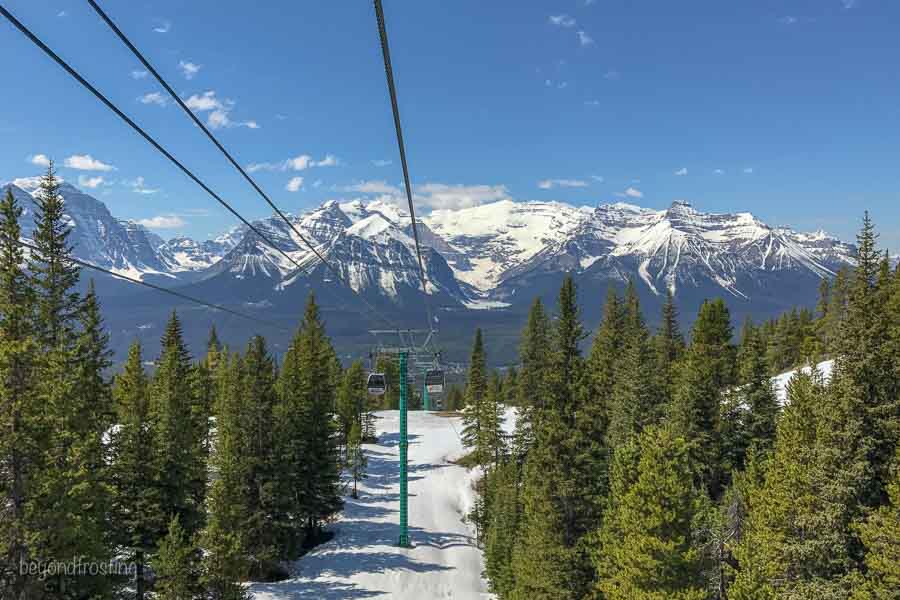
{"points": [[550, 561], [473, 415], [646, 549], [351, 400], [492, 440], [531, 382], [181, 476], [880, 534], [864, 367], [668, 346], [706, 372], [356, 456], [309, 483], [72, 499], [636, 401], [503, 527], [751, 408], [175, 565], [53, 276], [797, 541], [137, 504], [21, 431]]}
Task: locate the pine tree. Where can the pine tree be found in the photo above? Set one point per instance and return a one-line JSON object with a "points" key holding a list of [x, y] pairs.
{"points": [[706, 372], [636, 402], [668, 345], [492, 441], [549, 561], [71, 504], [502, 529], [53, 276], [351, 400], [259, 469], [865, 368], [181, 475], [21, 438], [749, 414], [136, 499], [175, 565], [646, 549], [310, 479], [473, 415], [797, 541], [531, 382], [356, 456], [880, 534]]}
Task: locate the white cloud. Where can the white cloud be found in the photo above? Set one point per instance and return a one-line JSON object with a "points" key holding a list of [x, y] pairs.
{"points": [[189, 69], [163, 222], [163, 27], [597, 178], [298, 163], [90, 182], [612, 75], [562, 20], [294, 184], [330, 160], [219, 110], [682, 171], [382, 163], [437, 196], [434, 196], [592, 103], [203, 102], [62, 13], [848, 4], [719, 171], [85, 162], [138, 186], [317, 183], [547, 184], [748, 170], [41, 160], [374, 187], [788, 20], [584, 39], [280, 116], [153, 98], [138, 74], [634, 193]]}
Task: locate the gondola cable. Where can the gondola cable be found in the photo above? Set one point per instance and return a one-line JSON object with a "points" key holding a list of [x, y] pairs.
{"points": [[197, 121], [87, 265]]}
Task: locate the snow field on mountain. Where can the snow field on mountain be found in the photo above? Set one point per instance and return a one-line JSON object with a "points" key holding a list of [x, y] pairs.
{"points": [[780, 382], [363, 559]]}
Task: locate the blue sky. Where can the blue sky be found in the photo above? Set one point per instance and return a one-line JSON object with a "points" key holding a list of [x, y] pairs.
{"points": [[789, 109]]}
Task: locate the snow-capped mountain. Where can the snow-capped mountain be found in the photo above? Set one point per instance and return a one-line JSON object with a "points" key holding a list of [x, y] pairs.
{"points": [[492, 255]]}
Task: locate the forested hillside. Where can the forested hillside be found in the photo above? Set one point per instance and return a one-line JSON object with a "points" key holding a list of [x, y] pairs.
{"points": [[651, 468], [186, 480]]}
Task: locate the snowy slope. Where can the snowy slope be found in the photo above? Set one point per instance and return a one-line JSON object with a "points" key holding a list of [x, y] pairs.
{"points": [[363, 560], [780, 382]]}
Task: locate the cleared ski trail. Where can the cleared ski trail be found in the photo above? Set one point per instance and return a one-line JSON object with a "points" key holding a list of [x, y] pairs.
{"points": [[363, 559]]}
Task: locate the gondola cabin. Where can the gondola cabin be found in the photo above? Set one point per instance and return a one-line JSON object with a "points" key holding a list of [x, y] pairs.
{"points": [[376, 384], [434, 381]]}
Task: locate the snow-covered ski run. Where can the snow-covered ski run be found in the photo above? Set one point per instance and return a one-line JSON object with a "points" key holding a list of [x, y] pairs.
{"points": [[363, 559]]}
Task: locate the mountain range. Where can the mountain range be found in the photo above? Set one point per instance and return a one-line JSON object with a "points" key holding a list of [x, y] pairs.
{"points": [[485, 264]]}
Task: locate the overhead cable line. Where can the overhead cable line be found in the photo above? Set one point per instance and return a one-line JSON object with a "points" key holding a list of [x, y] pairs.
{"points": [[199, 123], [87, 85], [389, 74], [87, 265]]}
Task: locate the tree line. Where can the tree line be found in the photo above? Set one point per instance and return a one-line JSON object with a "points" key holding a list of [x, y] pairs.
{"points": [[202, 474], [651, 467]]}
